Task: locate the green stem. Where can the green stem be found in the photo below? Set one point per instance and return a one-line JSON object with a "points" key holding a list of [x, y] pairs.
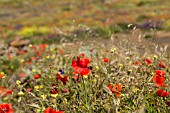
{"points": [[86, 95]]}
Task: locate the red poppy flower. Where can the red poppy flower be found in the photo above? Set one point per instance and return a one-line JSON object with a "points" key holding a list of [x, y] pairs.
{"points": [[137, 63], [159, 80], [162, 64], [50, 110], [37, 53], [64, 90], [35, 47], [116, 89], [62, 78], [6, 108], [8, 92], [37, 76], [54, 91], [43, 47], [23, 52], [160, 73], [22, 74], [106, 60], [80, 66], [162, 93], [29, 61], [148, 61]]}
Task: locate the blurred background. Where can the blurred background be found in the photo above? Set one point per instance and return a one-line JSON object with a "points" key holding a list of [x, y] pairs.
{"points": [[51, 20]]}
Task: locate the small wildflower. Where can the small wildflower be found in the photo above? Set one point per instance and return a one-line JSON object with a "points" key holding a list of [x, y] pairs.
{"points": [[34, 70], [41, 86], [47, 57], [50, 110], [43, 96], [5, 98], [53, 56], [36, 88], [121, 65], [8, 92], [63, 79], [22, 74], [106, 60], [96, 76], [20, 93], [148, 61], [38, 110], [22, 60], [2, 74], [129, 71], [155, 56], [97, 67], [127, 58], [168, 103], [162, 64], [37, 76], [113, 50], [54, 95], [30, 45], [18, 82], [116, 89], [162, 93], [6, 108], [61, 71], [4, 77], [137, 63]]}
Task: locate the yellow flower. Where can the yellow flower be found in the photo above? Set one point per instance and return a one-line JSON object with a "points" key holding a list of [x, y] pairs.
{"points": [[94, 81], [20, 93], [33, 70], [30, 45], [43, 96], [130, 70], [38, 110], [18, 82], [97, 67], [41, 86], [137, 89], [4, 76], [113, 50], [47, 57], [52, 49], [121, 65], [5, 99], [22, 60], [155, 56], [36, 88], [127, 58], [2, 73], [54, 95], [97, 76], [53, 56]]}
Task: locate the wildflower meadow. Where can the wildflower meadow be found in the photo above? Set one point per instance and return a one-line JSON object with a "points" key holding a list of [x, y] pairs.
{"points": [[90, 63]]}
